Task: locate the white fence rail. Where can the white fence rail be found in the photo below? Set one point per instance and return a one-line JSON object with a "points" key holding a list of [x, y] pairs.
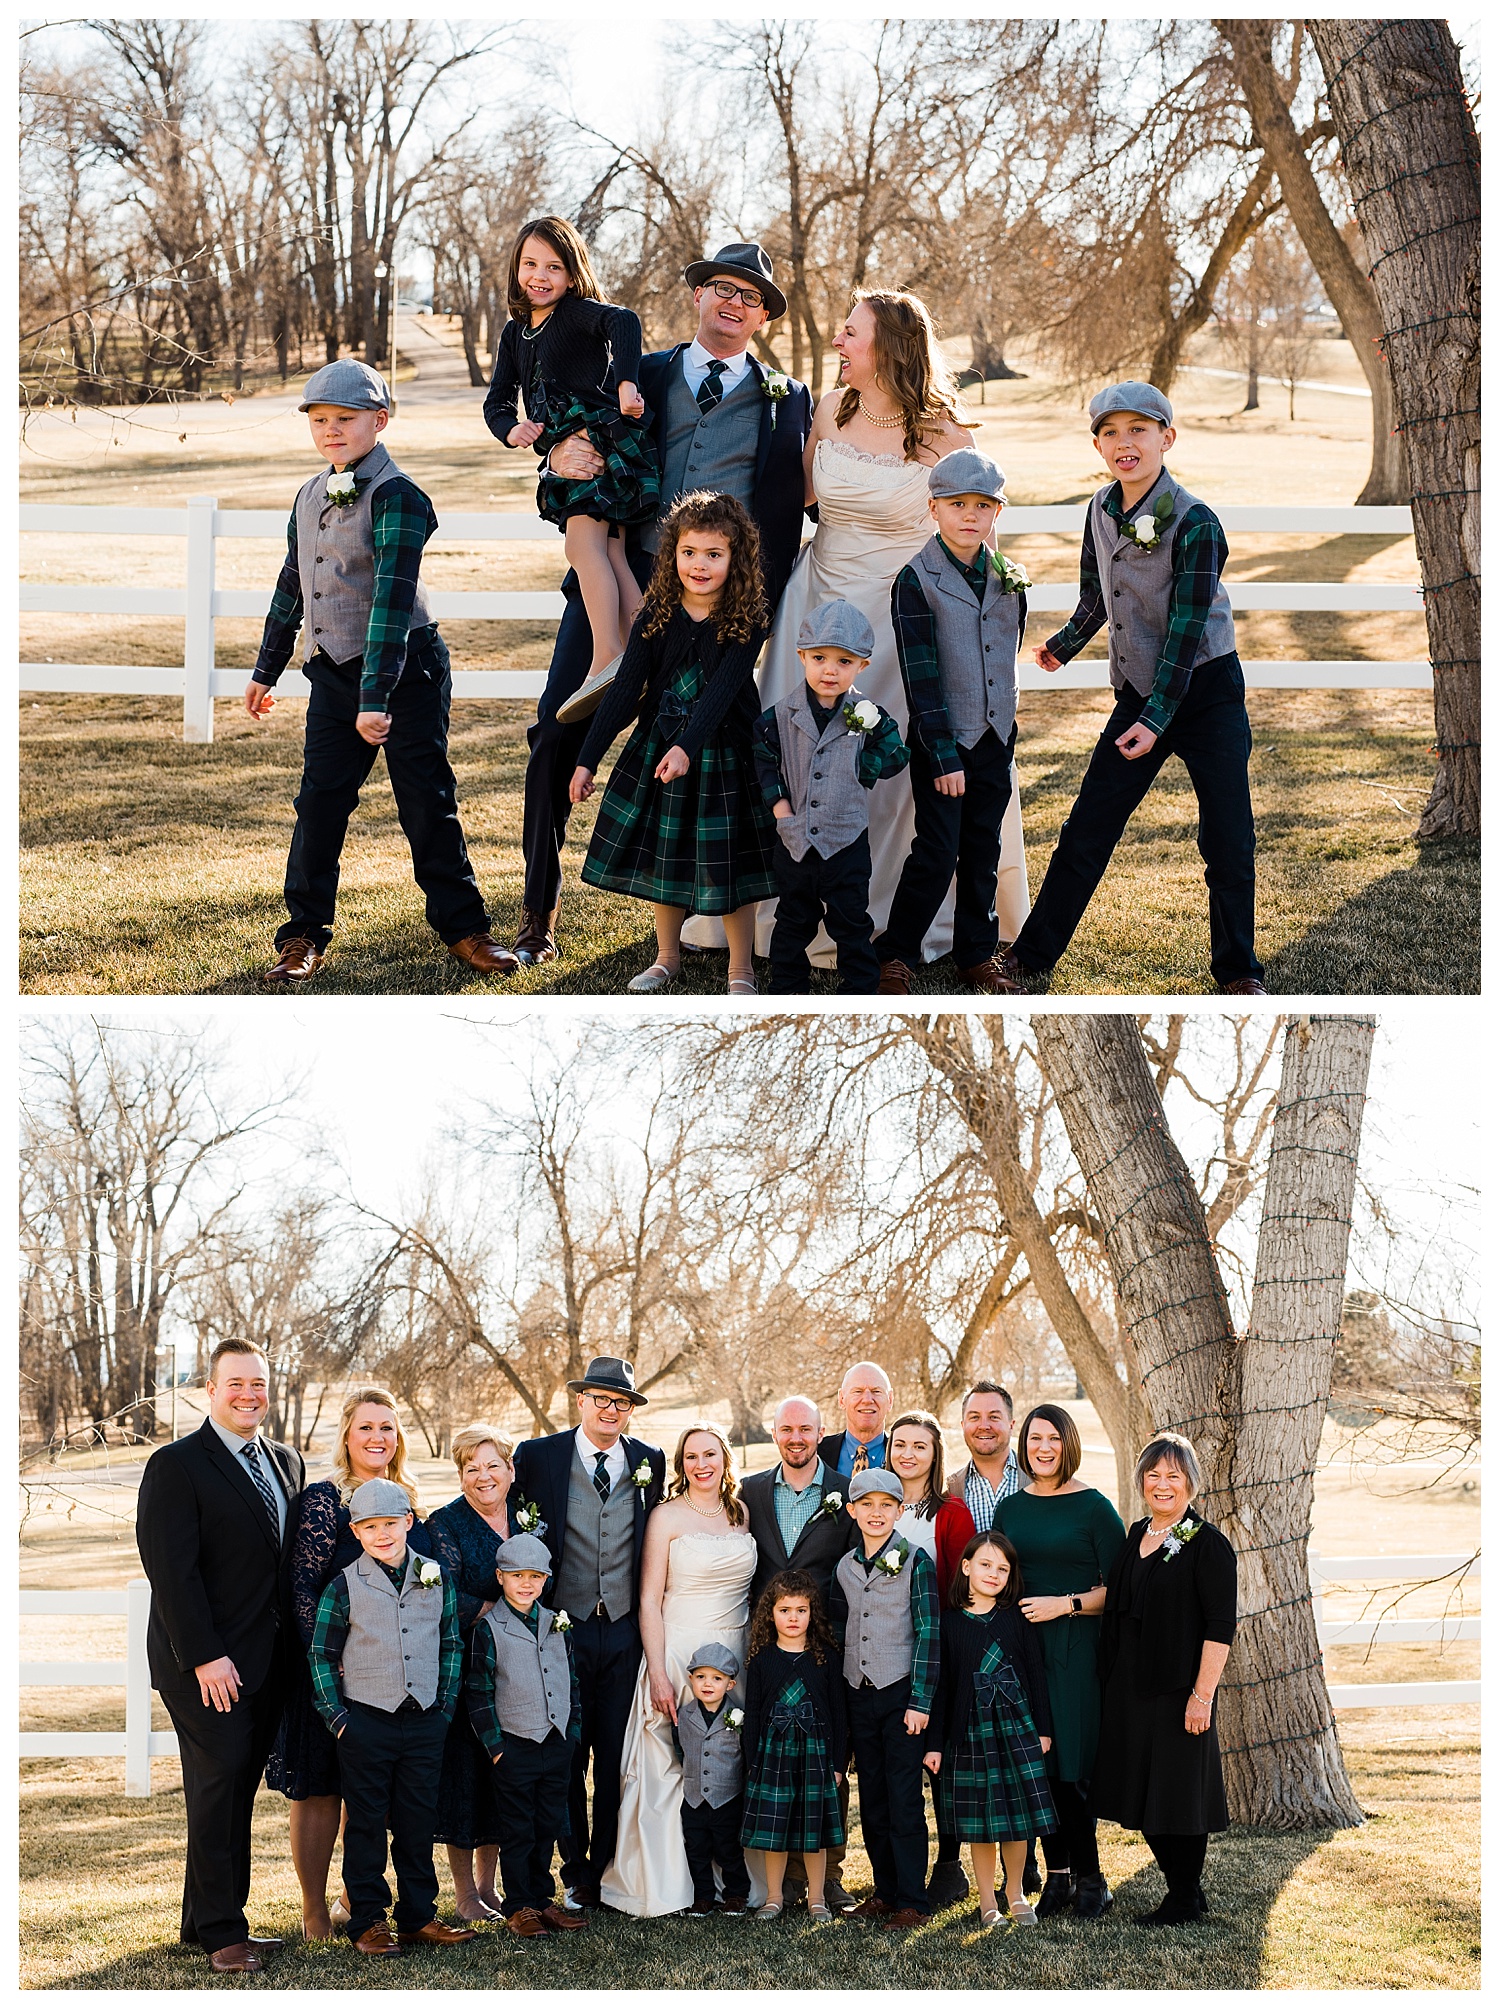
{"points": [[139, 1743], [199, 602]]}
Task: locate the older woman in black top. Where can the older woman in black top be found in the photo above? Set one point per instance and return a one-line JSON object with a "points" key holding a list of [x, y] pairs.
{"points": [[1169, 1620]]}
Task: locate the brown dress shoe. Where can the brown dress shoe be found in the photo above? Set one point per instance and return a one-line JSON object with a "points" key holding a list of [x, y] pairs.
{"points": [[527, 1924], [562, 1921], [534, 943], [990, 977], [872, 1907], [239, 1959], [895, 979], [484, 953], [264, 1946], [377, 1939], [902, 1921], [1014, 971], [1243, 987], [433, 1933], [295, 962]]}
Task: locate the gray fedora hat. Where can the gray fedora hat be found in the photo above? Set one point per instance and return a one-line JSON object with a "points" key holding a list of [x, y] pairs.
{"points": [[524, 1552], [746, 262], [378, 1500], [837, 625], [722, 1659], [349, 383], [610, 1376], [877, 1480], [1131, 396], [967, 472]]}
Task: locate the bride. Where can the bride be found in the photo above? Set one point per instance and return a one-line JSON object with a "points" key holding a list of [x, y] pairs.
{"points": [[696, 1569], [893, 416]]}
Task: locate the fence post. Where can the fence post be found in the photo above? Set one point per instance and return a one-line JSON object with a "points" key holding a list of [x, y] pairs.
{"points": [[198, 628], [137, 1691]]}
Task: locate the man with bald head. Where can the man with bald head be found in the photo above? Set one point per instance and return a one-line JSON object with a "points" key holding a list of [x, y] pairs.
{"points": [[865, 1399], [793, 1520]]}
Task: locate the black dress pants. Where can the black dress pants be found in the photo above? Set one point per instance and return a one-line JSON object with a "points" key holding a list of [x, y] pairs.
{"points": [[607, 1655], [336, 764], [389, 1765], [223, 1757], [1180, 1859], [1210, 733], [712, 1835], [892, 1809], [812, 889], [531, 1817], [957, 837], [1075, 1844]]}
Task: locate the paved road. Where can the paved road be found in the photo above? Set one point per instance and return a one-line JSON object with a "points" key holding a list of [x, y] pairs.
{"points": [[442, 374]]}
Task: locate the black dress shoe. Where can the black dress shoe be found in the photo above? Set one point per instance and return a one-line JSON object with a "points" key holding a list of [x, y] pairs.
{"points": [[1057, 1894], [947, 1885], [1172, 1911], [1092, 1897]]}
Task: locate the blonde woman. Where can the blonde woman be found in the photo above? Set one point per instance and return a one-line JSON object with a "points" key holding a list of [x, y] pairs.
{"points": [[696, 1571], [304, 1762]]}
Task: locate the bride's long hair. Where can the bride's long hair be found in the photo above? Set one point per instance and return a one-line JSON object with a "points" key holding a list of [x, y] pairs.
{"points": [[729, 1484], [909, 367]]}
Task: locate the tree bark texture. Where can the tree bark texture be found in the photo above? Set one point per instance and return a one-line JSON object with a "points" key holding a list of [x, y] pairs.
{"points": [[1346, 285], [1253, 1407], [1411, 155]]}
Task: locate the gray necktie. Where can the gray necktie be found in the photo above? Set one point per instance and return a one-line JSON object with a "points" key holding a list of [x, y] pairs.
{"points": [[262, 1483]]}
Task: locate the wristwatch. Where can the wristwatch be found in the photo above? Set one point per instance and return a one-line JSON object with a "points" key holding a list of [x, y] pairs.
{"points": [[1077, 1603]]}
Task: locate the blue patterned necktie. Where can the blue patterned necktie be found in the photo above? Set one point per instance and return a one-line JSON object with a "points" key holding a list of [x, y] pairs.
{"points": [[262, 1483], [601, 1477], [711, 390]]}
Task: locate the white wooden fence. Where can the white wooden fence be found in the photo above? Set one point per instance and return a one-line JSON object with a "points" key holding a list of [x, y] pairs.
{"points": [[139, 1743], [198, 603]]}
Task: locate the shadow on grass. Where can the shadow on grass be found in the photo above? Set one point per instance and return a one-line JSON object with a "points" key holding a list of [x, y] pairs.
{"points": [[1415, 930]]}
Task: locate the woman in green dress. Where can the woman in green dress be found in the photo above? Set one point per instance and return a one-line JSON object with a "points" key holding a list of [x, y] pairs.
{"points": [[1067, 1536]]}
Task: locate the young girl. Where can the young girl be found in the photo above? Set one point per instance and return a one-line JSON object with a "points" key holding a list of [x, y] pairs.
{"points": [[682, 823], [990, 1724], [793, 1737], [575, 359]]}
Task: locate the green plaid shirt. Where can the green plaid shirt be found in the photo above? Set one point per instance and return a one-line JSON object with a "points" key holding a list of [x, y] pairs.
{"points": [[917, 651], [401, 522], [479, 1685], [331, 1630], [926, 1617], [1199, 555]]}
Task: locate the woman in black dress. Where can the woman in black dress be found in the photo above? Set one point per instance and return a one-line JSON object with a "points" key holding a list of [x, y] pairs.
{"points": [[1169, 1620], [466, 1533]]}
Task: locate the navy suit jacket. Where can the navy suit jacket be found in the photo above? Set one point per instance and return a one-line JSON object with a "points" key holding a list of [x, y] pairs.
{"points": [[830, 1449], [542, 1467], [777, 503]]}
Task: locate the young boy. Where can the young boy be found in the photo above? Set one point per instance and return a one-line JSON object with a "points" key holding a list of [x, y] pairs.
{"points": [[387, 1663], [884, 1601], [379, 675], [713, 1781], [817, 755], [523, 1703], [959, 615], [1151, 570]]}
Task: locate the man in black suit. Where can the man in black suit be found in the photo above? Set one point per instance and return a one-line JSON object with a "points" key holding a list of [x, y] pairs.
{"points": [[865, 1401], [587, 1493], [213, 1522], [735, 297]]}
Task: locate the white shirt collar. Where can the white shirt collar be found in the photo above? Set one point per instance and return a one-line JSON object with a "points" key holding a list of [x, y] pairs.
{"points": [[696, 359], [614, 1460], [234, 1444]]}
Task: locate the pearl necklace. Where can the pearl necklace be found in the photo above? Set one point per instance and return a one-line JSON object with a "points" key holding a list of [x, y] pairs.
{"points": [[704, 1513], [886, 425]]}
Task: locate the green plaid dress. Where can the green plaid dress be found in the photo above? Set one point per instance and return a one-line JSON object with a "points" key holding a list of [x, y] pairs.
{"points": [[627, 488], [992, 1785], [705, 842], [791, 1799]]}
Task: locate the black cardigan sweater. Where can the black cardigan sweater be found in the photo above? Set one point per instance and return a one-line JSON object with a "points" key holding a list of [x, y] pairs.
{"points": [[1189, 1598], [728, 698], [962, 1642], [769, 1672], [584, 349]]}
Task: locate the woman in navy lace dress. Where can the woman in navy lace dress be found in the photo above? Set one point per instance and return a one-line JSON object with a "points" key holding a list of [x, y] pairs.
{"points": [[304, 1759], [465, 1534]]}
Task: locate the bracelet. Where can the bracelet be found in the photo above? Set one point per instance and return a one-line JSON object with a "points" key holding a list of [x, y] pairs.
{"points": [[1206, 1700]]}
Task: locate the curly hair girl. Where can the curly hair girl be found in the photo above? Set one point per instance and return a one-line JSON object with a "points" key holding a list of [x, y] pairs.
{"points": [[793, 1583], [741, 612]]}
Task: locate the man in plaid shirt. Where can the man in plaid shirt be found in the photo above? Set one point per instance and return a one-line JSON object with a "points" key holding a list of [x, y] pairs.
{"points": [[351, 583]]}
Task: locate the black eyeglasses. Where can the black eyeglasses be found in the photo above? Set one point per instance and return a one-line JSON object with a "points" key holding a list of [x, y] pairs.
{"points": [[727, 290], [604, 1403]]}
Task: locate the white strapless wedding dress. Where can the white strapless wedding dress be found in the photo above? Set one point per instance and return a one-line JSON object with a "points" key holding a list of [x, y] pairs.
{"points": [[707, 1598], [872, 519]]}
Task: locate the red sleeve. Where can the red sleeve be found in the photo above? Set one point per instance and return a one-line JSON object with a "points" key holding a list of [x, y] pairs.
{"points": [[955, 1529]]}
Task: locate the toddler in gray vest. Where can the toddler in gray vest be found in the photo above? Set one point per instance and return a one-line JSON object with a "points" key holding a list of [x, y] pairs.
{"points": [[707, 1736], [387, 1666], [817, 756]]}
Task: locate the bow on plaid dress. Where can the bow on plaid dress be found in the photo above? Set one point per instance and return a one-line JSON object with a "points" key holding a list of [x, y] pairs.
{"points": [[791, 1799], [993, 1783]]}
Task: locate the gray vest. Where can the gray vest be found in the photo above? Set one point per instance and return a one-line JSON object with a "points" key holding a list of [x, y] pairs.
{"points": [[821, 775], [976, 646], [598, 1562], [394, 1638], [533, 1687], [713, 1765], [880, 1639], [717, 451], [1136, 586], [336, 562]]}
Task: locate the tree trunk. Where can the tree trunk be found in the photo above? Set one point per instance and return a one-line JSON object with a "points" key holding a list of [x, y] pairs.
{"points": [[1254, 1407], [1249, 213], [1346, 285], [1411, 154], [987, 356]]}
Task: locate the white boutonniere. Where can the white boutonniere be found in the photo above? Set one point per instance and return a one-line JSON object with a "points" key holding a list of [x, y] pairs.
{"points": [[894, 1560], [1145, 531], [1178, 1535], [528, 1518], [642, 1475], [341, 486], [775, 385], [833, 1505], [736, 1720], [863, 717], [428, 1574], [1013, 578], [561, 1622]]}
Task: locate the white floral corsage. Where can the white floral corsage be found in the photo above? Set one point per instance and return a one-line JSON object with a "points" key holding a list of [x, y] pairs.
{"points": [[894, 1560], [642, 1475], [736, 1720], [833, 1505], [1013, 578], [561, 1622], [341, 485], [1180, 1533], [775, 385], [428, 1574], [863, 717], [1145, 531], [528, 1518]]}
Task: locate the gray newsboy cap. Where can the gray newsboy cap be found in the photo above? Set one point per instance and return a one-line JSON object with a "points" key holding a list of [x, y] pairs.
{"points": [[1130, 397], [837, 625], [876, 1481], [378, 1499], [524, 1552], [350, 383], [967, 472], [722, 1659]]}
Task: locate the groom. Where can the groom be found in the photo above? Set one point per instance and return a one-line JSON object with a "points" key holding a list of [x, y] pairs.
{"points": [[720, 420], [592, 1489]]}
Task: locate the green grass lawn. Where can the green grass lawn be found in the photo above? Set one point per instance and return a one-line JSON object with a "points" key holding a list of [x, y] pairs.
{"points": [[1392, 1905], [151, 866]]}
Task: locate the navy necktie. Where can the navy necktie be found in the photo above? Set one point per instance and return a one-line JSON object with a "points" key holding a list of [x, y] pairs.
{"points": [[601, 1477], [711, 390], [262, 1483]]}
